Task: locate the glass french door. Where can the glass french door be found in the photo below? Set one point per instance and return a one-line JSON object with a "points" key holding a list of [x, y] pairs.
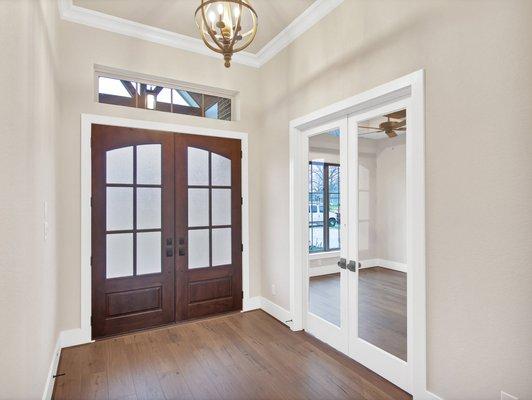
{"points": [[325, 288], [378, 284]]}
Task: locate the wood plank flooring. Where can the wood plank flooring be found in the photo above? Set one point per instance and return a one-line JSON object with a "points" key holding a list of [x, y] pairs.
{"points": [[382, 306], [238, 356]]}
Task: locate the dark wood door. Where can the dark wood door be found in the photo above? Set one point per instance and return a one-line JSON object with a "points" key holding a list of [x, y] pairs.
{"points": [[132, 229], [208, 225], [166, 228]]}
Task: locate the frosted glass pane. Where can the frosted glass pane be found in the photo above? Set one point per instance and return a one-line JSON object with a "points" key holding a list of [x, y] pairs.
{"points": [[148, 253], [148, 208], [119, 208], [221, 246], [198, 207], [119, 255], [198, 248], [119, 165], [221, 206], [363, 206], [221, 170], [149, 164], [198, 166]]}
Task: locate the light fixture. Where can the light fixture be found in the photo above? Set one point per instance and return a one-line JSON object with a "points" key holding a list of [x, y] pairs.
{"points": [[227, 26]]}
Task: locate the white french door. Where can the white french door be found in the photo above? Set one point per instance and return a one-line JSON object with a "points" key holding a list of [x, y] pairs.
{"points": [[325, 304], [363, 306], [379, 299]]}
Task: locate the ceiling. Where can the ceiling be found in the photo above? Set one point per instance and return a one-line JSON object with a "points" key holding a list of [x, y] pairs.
{"points": [[371, 134], [178, 15]]}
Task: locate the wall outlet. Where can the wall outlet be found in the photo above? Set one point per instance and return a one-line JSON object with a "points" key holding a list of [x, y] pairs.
{"points": [[274, 290], [506, 396]]}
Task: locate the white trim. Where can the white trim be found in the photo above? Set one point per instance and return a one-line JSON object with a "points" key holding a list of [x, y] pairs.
{"points": [[314, 13], [49, 385], [253, 303], [379, 262], [276, 311], [410, 87], [323, 270], [83, 335], [323, 254]]}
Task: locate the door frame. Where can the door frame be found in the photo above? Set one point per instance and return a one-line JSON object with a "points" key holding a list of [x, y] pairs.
{"points": [[412, 87], [87, 120]]}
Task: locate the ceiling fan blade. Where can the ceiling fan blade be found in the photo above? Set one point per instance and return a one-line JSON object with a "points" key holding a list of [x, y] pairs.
{"points": [[397, 115], [391, 134], [400, 124], [369, 127], [400, 129], [368, 133]]}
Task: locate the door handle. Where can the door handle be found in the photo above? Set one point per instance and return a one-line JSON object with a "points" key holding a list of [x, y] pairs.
{"points": [[352, 266], [342, 263], [169, 247]]}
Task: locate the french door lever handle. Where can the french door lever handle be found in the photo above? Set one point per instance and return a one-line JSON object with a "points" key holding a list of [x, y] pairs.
{"points": [[342, 263], [352, 266]]}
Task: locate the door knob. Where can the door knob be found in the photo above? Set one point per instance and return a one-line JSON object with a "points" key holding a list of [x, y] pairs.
{"points": [[342, 263], [352, 266]]}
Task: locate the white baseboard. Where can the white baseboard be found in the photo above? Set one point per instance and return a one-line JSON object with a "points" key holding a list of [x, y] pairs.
{"points": [[251, 303], [323, 270], [379, 262], [49, 386], [276, 311]]}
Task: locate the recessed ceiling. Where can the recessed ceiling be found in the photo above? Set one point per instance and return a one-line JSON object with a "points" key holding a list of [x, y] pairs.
{"points": [[178, 15]]}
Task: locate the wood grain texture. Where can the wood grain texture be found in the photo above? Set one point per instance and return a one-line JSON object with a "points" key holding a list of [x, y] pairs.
{"points": [[237, 356], [382, 306]]}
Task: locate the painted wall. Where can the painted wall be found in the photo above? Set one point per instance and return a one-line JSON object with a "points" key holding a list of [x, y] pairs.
{"points": [[28, 263], [478, 115], [80, 48]]}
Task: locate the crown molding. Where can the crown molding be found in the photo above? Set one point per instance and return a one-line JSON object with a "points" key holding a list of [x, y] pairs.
{"points": [[95, 19]]}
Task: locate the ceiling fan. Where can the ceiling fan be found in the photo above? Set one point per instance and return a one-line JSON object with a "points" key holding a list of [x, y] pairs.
{"points": [[390, 127]]}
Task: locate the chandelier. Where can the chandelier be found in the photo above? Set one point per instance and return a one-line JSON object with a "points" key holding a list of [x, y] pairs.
{"points": [[226, 26]]}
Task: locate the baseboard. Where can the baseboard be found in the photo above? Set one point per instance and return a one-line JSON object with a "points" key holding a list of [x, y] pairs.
{"points": [[379, 262], [323, 270], [276, 311], [427, 396], [251, 303], [49, 386]]}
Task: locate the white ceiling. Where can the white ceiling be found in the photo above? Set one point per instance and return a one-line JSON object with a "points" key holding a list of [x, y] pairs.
{"points": [[178, 15]]}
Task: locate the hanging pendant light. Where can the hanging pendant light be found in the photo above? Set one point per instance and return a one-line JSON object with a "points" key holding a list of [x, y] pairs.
{"points": [[227, 26]]}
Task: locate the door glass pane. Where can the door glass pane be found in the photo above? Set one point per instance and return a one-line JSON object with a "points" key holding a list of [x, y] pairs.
{"points": [[198, 167], [221, 170], [119, 255], [119, 208], [148, 253], [149, 164], [119, 165], [221, 246], [324, 226], [148, 208], [382, 318], [198, 207], [198, 248], [221, 206]]}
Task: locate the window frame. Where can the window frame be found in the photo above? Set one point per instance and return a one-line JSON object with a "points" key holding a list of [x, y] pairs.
{"points": [[326, 205], [143, 79]]}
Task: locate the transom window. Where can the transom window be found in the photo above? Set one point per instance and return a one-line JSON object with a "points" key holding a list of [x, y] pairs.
{"points": [[324, 206], [124, 92]]}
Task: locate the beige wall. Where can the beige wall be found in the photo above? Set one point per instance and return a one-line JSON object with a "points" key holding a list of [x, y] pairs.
{"points": [[478, 61], [80, 48], [28, 264]]}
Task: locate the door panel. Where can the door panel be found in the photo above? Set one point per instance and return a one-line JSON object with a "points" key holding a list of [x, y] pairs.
{"points": [[208, 225], [132, 221]]}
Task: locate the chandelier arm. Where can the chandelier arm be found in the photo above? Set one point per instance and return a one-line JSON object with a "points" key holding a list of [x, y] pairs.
{"points": [[209, 30], [235, 33], [254, 16]]}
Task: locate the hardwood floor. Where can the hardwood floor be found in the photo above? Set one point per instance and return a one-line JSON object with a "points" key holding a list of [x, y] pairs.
{"points": [[238, 356], [382, 306]]}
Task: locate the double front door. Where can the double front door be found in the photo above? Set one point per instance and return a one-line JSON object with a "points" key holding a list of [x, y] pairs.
{"points": [[166, 228]]}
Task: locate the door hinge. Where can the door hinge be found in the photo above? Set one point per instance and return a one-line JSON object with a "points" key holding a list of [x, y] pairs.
{"points": [[91, 320], [241, 247], [241, 154], [91, 261], [241, 201], [242, 294], [91, 201]]}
